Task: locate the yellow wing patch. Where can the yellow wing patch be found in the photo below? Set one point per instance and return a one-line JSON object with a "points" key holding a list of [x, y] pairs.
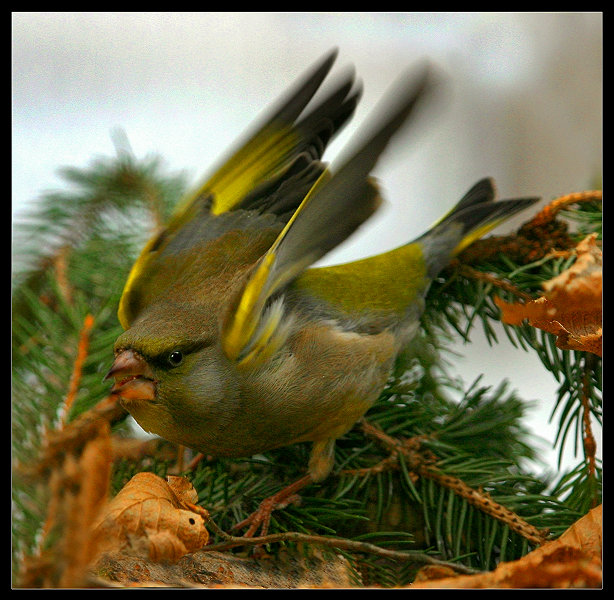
{"points": [[241, 327], [270, 150], [124, 312], [244, 321], [252, 164]]}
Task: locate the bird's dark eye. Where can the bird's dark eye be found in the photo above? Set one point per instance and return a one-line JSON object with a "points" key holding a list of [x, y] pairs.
{"points": [[175, 357]]}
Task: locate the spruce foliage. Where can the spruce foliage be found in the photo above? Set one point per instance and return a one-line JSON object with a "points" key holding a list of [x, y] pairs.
{"points": [[72, 253]]}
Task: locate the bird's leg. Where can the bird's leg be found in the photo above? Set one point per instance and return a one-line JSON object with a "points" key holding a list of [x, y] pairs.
{"points": [[262, 516], [320, 465]]}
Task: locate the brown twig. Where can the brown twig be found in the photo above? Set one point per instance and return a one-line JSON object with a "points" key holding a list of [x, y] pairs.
{"points": [[75, 379], [78, 484], [590, 445], [390, 463], [549, 212], [197, 459], [231, 541], [423, 465], [72, 437], [472, 273], [486, 505], [60, 264]]}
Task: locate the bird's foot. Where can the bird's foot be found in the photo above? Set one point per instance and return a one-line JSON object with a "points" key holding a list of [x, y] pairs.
{"points": [[261, 518]]}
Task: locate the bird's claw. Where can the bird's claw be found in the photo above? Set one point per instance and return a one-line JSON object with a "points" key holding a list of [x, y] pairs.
{"points": [[261, 518]]}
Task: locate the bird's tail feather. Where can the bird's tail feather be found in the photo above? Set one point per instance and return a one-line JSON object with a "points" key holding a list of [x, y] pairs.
{"points": [[471, 218]]}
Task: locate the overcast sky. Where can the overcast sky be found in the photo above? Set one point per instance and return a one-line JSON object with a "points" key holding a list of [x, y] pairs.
{"points": [[523, 104]]}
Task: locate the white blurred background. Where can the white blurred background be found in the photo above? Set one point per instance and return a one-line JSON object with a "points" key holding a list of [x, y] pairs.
{"points": [[523, 105]]}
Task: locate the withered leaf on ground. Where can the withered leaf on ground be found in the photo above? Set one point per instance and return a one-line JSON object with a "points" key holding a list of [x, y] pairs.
{"points": [[155, 518], [571, 307]]}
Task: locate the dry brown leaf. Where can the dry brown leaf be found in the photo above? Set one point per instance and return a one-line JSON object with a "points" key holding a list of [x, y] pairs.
{"points": [[155, 518], [586, 535], [572, 561], [571, 307]]}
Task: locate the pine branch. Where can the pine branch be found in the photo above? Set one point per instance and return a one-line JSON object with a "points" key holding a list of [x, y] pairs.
{"points": [[423, 465], [336, 543], [524, 281], [82, 243]]}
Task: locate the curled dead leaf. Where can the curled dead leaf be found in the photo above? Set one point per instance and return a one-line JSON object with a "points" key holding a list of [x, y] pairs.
{"points": [[155, 518], [571, 307], [572, 561]]}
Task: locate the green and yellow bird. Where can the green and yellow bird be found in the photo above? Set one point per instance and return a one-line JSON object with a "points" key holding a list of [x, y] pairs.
{"points": [[234, 343]]}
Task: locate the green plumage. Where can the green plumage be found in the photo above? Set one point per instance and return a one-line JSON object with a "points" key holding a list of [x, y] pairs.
{"points": [[387, 283], [233, 344]]}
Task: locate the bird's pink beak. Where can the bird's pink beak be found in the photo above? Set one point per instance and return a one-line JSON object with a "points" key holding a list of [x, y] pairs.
{"points": [[134, 380]]}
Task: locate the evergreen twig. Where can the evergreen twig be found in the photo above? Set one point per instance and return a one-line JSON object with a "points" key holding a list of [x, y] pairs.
{"points": [[231, 541], [75, 252], [75, 378], [424, 465]]}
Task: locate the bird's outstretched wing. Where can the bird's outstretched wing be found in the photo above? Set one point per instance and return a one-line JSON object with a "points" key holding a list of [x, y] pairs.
{"points": [[339, 202], [258, 185]]}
